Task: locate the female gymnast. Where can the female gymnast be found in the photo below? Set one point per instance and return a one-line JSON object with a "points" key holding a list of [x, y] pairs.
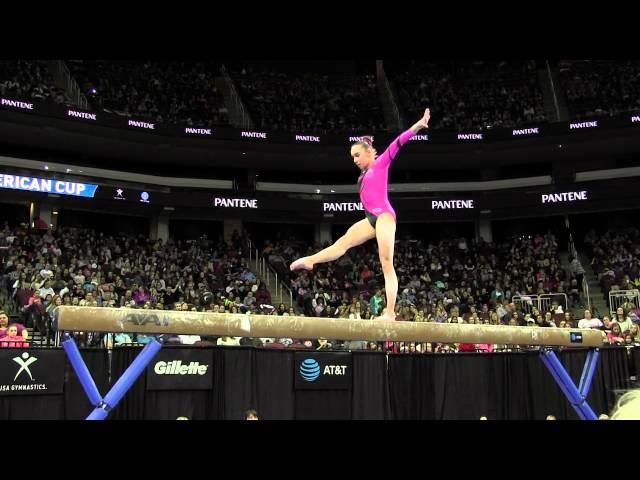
{"points": [[380, 218]]}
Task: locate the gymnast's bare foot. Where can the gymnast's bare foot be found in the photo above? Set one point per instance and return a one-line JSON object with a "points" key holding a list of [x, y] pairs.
{"points": [[386, 316], [302, 263]]}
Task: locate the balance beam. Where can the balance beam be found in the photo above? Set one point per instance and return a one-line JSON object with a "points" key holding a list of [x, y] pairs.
{"points": [[124, 320]]}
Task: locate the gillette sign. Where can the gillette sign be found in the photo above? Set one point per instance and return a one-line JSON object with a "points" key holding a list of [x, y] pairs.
{"points": [[47, 185], [235, 202], [177, 369], [564, 197]]}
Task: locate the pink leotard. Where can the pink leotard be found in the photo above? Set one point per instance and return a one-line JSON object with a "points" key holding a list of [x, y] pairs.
{"points": [[374, 181]]}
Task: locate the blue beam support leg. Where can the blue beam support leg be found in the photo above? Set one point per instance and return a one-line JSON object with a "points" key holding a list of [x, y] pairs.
{"points": [[126, 381], [102, 406], [588, 372], [86, 380], [577, 397]]}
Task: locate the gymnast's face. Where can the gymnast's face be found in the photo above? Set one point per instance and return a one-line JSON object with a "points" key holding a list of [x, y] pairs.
{"points": [[363, 157]]}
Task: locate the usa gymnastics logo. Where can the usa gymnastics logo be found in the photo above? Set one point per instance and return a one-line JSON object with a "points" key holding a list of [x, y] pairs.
{"points": [[309, 370]]}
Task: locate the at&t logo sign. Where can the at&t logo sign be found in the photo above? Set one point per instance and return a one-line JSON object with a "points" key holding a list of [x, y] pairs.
{"points": [[310, 370]]}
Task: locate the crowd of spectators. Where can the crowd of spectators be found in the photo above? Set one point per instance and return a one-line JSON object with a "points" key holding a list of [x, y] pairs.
{"points": [[463, 95], [181, 93], [83, 267], [615, 258], [450, 281], [310, 102], [446, 281], [596, 88], [29, 79], [469, 95]]}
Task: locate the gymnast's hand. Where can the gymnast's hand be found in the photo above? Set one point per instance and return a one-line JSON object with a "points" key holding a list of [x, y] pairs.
{"points": [[302, 263], [424, 121]]}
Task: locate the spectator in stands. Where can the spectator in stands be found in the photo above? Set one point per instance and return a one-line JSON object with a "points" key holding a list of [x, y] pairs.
{"points": [[633, 311], [577, 271], [589, 322], [366, 275], [24, 292], [548, 319], [634, 332], [569, 319], [12, 339], [615, 335], [127, 300], [122, 339], [228, 341], [441, 314], [56, 302], [263, 296], [623, 320], [575, 294], [189, 339], [376, 302], [46, 289], [542, 321], [141, 296], [318, 306], [34, 312], [251, 415], [4, 324], [497, 294]]}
